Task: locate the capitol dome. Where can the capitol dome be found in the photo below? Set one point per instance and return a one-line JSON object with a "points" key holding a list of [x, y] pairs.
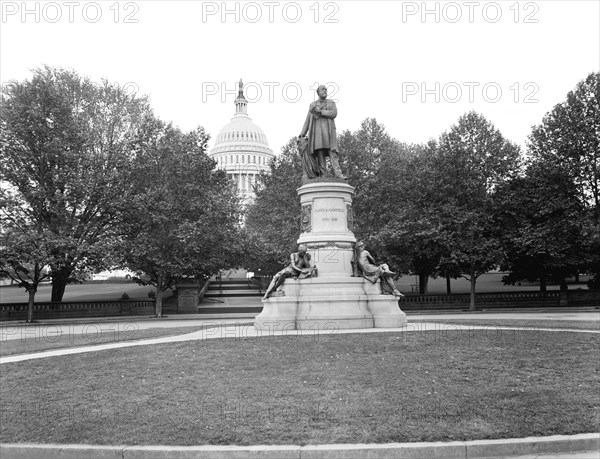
{"points": [[241, 148]]}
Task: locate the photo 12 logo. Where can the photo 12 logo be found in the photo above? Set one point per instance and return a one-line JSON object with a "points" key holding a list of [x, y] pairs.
{"points": [[269, 12], [472, 91], [272, 91], [69, 12], [270, 329], [130, 88], [69, 333], [469, 12]]}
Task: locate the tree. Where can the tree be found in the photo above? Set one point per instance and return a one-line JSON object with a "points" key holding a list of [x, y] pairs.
{"points": [[361, 155], [361, 151], [411, 243], [183, 215], [472, 160], [543, 232], [472, 246], [24, 258], [65, 146], [408, 235], [568, 139], [273, 219]]}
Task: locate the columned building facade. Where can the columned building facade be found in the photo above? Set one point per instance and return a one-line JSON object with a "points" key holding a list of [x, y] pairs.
{"points": [[241, 148]]}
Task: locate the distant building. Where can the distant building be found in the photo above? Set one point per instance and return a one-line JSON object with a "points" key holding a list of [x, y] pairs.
{"points": [[116, 274], [241, 148]]}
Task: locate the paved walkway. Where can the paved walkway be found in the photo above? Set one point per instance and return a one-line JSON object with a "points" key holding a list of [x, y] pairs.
{"points": [[236, 330], [19, 330], [82, 327], [185, 320], [589, 315]]}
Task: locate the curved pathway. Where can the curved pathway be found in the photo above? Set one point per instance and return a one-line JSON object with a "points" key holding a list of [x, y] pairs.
{"points": [[239, 330]]}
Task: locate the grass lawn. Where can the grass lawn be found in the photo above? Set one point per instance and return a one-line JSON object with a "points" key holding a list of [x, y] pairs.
{"points": [[382, 387], [101, 334], [542, 323]]}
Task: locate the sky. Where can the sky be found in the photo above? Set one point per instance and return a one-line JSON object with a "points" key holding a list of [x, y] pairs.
{"points": [[414, 66]]}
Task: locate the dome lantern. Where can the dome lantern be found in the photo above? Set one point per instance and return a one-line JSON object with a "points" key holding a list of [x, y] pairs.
{"points": [[241, 104]]}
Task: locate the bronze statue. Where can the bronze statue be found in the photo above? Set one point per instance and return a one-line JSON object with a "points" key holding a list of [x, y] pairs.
{"points": [[322, 138], [300, 267], [371, 271]]}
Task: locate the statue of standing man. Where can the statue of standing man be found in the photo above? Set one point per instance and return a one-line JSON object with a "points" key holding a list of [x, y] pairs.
{"points": [[322, 138]]}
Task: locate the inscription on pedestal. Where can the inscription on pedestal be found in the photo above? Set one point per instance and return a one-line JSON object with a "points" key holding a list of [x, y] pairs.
{"points": [[329, 215]]}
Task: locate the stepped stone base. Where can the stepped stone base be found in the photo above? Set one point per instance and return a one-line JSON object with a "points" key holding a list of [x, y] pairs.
{"points": [[329, 303]]}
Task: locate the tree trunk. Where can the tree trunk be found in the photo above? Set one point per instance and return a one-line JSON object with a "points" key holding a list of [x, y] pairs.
{"points": [[423, 281], [448, 288], [59, 282], [472, 301], [563, 285], [159, 297], [30, 304], [159, 301], [543, 281]]}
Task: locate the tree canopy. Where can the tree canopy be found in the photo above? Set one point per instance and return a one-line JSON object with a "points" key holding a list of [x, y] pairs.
{"points": [[94, 181], [183, 215], [64, 145], [569, 138], [543, 235], [567, 145]]}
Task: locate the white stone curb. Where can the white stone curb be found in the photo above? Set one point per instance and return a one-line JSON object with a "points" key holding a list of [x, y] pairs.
{"points": [[555, 444]]}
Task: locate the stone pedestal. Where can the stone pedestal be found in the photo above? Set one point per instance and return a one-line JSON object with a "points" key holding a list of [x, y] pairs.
{"points": [[335, 299], [187, 299], [326, 209], [330, 303]]}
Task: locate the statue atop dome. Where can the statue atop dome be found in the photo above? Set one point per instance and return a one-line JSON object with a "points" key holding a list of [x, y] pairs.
{"points": [[321, 140], [241, 103]]}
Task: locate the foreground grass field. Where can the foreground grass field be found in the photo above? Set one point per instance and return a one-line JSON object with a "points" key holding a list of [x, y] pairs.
{"points": [[384, 387]]}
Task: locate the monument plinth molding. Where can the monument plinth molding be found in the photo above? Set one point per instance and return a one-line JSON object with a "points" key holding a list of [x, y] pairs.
{"points": [[335, 299], [328, 232]]}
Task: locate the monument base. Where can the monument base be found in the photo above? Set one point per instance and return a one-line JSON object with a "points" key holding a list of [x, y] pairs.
{"points": [[330, 303]]}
